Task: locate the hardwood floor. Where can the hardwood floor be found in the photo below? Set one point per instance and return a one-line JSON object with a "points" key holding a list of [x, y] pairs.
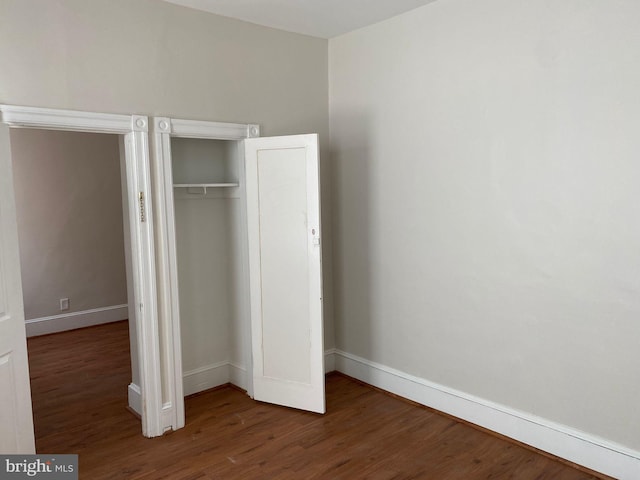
{"points": [[79, 388]]}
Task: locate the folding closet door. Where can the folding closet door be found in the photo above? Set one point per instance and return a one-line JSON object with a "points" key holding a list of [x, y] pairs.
{"points": [[283, 219]]}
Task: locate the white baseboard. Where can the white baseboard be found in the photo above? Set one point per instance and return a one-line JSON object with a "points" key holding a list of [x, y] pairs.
{"points": [[210, 376], [238, 375], [206, 377], [73, 320], [135, 398], [579, 447], [329, 360]]}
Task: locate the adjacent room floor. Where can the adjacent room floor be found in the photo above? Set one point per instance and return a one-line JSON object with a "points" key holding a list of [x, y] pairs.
{"points": [[79, 385]]}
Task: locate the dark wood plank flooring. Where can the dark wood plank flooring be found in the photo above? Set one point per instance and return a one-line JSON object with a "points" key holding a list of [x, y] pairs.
{"points": [[79, 388]]}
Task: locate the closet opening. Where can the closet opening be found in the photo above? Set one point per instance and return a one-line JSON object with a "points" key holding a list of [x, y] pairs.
{"points": [[205, 315], [240, 224]]}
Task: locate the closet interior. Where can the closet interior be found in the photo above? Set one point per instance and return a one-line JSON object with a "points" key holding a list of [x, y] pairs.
{"points": [[210, 239]]}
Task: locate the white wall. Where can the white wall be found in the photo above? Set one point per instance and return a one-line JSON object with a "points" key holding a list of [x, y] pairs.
{"points": [[486, 201], [69, 207]]}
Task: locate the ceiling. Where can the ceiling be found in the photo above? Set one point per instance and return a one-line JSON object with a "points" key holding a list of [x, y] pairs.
{"points": [[318, 18]]}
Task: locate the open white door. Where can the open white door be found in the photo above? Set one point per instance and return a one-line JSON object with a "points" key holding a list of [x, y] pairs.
{"points": [[16, 421], [283, 216]]}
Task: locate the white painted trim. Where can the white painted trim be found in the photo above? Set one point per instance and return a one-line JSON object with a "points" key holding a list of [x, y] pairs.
{"points": [[33, 117], [211, 376], [167, 416], [135, 398], [329, 360], [213, 130], [177, 386], [204, 378], [245, 310], [169, 300], [238, 376], [73, 320], [168, 269], [560, 440], [134, 128], [143, 262]]}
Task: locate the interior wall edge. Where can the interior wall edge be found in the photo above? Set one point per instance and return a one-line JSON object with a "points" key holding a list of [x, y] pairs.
{"points": [[579, 447]]}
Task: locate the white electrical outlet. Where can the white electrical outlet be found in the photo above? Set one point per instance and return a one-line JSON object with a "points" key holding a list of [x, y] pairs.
{"points": [[64, 304]]}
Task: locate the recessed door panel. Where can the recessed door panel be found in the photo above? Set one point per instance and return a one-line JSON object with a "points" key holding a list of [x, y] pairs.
{"points": [[284, 272]]}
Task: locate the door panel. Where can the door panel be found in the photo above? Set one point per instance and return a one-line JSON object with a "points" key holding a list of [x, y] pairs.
{"points": [[283, 234], [285, 273], [16, 421]]}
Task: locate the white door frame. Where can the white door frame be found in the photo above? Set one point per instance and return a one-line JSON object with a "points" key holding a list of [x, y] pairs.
{"points": [[135, 130], [163, 129]]}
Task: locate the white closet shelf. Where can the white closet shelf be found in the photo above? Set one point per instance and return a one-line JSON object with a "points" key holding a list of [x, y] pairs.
{"points": [[205, 186]]}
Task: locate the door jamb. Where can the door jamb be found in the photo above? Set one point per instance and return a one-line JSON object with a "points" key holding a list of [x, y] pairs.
{"points": [[135, 130], [169, 308]]}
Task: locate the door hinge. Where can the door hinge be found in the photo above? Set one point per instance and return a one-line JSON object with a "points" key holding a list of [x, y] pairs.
{"points": [[142, 208]]}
